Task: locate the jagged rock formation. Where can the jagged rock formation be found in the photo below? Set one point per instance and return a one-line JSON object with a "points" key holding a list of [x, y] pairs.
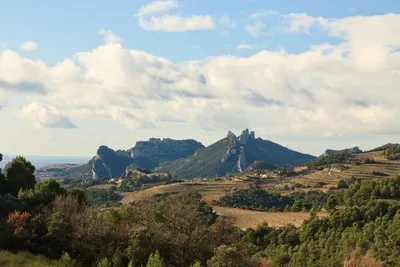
{"points": [[342, 151], [234, 154], [236, 148], [108, 163]]}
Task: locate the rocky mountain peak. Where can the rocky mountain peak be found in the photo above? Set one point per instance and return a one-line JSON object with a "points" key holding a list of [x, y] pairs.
{"points": [[103, 150], [245, 136], [236, 149]]}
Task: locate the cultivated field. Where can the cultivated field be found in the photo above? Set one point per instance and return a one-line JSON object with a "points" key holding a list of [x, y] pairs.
{"points": [[250, 218]]}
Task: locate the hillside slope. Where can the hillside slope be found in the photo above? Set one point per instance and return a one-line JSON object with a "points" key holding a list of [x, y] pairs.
{"points": [[234, 154]]}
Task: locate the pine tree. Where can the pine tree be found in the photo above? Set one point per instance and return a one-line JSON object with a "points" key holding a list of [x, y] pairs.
{"points": [[155, 260]]}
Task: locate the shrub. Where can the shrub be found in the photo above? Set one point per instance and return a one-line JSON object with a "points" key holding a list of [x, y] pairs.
{"points": [[18, 219]]}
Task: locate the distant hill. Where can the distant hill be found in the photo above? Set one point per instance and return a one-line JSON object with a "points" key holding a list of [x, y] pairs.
{"points": [[334, 157], [57, 171], [352, 150], [108, 163], [234, 154], [384, 147]]}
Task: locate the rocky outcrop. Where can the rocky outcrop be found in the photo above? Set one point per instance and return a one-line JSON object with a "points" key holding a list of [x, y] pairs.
{"points": [[236, 149]]}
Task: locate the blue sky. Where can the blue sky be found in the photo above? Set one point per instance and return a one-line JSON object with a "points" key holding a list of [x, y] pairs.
{"points": [[62, 28], [106, 73]]}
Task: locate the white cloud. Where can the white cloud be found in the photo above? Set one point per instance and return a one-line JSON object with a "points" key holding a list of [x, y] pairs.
{"points": [[109, 37], [29, 46], [246, 46], [227, 21], [157, 7], [154, 17], [130, 119], [46, 117], [300, 22], [19, 74], [349, 87], [257, 27]]}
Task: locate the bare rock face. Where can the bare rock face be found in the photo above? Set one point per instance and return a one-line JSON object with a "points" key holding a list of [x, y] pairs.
{"points": [[236, 149]]}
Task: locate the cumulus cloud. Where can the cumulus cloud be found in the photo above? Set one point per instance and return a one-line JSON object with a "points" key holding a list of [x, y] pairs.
{"points": [[23, 87], [157, 7], [130, 119], [300, 22], [43, 116], [29, 46], [155, 17], [246, 46], [257, 99], [109, 37], [335, 89], [18, 74]]}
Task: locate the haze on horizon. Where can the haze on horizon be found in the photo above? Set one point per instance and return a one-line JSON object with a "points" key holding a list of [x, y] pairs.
{"points": [[310, 75]]}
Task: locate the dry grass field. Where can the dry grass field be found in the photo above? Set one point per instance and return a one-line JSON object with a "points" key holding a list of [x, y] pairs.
{"points": [[250, 219]]}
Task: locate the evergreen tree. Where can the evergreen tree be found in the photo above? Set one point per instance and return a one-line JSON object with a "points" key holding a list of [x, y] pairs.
{"points": [[155, 260], [19, 174]]}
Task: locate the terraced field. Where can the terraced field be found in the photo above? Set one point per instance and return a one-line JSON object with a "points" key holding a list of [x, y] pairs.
{"points": [[386, 167]]}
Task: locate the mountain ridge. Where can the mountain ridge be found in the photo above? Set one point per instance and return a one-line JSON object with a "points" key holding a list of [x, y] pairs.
{"points": [[108, 163], [234, 154]]}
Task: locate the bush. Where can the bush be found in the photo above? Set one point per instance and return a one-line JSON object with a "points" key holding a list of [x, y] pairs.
{"points": [[18, 219]]}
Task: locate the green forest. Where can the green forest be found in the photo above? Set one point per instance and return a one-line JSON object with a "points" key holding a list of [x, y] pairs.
{"points": [[46, 224]]}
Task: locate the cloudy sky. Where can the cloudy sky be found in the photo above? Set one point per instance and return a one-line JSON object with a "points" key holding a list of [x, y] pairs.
{"points": [[308, 74]]}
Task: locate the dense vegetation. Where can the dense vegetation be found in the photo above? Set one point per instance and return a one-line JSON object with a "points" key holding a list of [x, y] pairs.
{"points": [[103, 197], [365, 230], [324, 160], [362, 229], [259, 199], [393, 152], [178, 230]]}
